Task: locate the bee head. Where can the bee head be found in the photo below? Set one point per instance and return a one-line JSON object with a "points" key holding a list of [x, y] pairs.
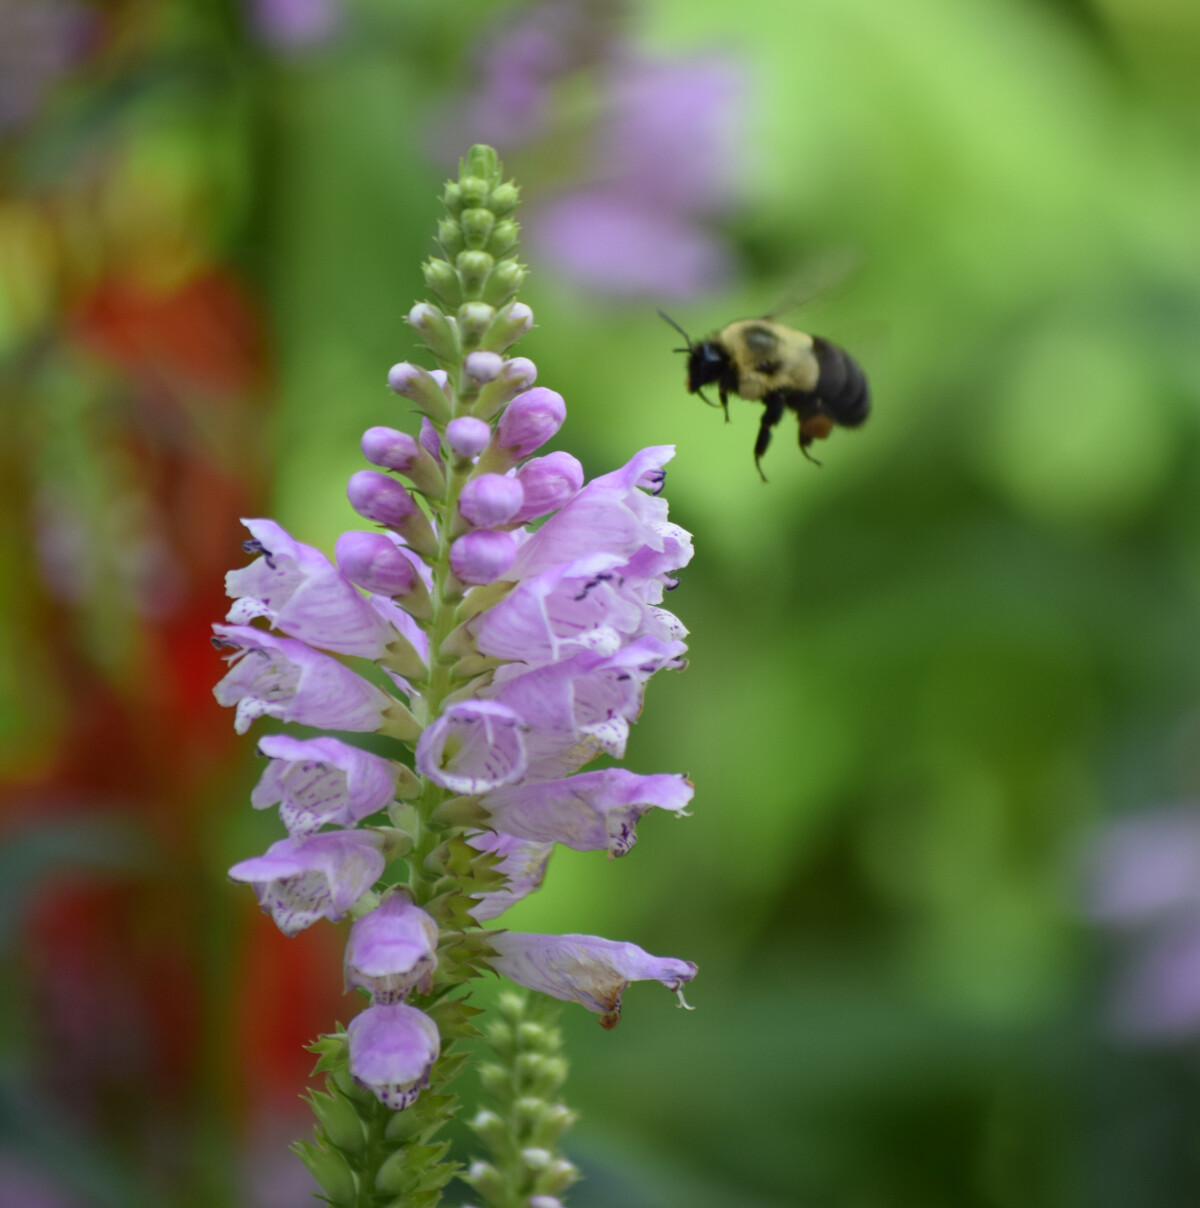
{"points": [[707, 362]]}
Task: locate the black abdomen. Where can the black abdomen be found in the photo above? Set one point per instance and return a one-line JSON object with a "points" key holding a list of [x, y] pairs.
{"points": [[841, 386]]}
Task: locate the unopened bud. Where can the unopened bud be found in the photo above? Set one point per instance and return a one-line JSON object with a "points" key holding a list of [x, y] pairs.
{"points": [[377, 497], [548, 482], [503, 281], [452, 197], [483, 366], [474, 268], [375, 562], [530, 420], [421, 387], [482, 556], [450, 236], [473, 190], [474, 318], [517, 374], [467, 437], [510, 324], [504, 199], [439, 332], [398, 451], [444, 282], [490, 500], [505, 236], [477, 227]]}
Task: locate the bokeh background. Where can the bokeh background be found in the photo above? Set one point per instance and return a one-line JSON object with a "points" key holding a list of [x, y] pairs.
{"points": [[943, 711]]}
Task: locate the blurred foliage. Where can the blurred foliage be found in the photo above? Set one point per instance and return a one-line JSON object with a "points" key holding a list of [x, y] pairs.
{"points": [[918, 674]]}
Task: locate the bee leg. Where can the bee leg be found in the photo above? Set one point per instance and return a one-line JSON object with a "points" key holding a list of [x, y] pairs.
{"points": [[725, 403], [772, 414], [805, 441]]}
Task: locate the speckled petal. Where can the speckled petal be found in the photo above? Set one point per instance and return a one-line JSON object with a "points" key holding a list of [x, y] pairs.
{"points": [[592, 811], [392, 1049], [298, 881], [586, 969], [317, 781], [391, 950], [474, 746]]}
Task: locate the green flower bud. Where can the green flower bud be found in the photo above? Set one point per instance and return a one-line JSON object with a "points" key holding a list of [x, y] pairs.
{"points": [[333, 1173], [482, 160], [450, 236], [503, 281], [444, 282], [473, 190], [505, 236], [439, 332], [452, 197], [486, 1179], [504, 199], [474, 267], [491, 1128], [555, 1177], [510, 324], [474, 319], [340, 1122], [495, 1080], [476, 227]]}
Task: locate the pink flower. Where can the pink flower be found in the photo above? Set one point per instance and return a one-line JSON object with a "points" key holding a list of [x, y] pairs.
{"points": [[284, 678], [300, 592], [586, 969], [392, 1049], [298, 881], [317, 781]]}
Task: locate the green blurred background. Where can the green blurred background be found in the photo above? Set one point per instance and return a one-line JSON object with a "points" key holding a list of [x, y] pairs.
{"points": [[920, 676]]}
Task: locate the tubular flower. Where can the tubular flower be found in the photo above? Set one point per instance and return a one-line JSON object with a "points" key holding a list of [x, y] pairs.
{"points": [[299, 881], [586, 969], [514, 657], [316, 781]]}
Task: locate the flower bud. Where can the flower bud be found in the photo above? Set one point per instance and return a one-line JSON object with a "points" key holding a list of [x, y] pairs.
{"points": [[452, 197], [483, 366], [392, 950], [467, 436], [473, 190], [419, 386], [474, 318], [504, 199], [431, 441], [510, 324], [505, 237], [548, 482], [443, 281], [530, 420], [398, 451], [439, 332], [474, 268], [503, 281], [377, 497], [450, 236], [490, 500], [516, 375], [374, 561], [482, 556], [476, 226]]}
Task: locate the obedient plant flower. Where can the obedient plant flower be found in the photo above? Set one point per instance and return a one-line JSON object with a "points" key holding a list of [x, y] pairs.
{"points": [[491, 661], [585, 969]]}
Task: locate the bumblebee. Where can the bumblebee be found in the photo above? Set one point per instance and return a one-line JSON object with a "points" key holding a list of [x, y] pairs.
{"points": [[784, 369]]}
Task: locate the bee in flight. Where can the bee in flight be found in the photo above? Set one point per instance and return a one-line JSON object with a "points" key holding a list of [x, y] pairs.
{"points": [[785, 370]]}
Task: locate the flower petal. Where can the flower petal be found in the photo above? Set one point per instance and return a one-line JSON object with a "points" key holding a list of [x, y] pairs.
{"points": [[298, 881], [586, 969], [392, 1049], [392, 949], [474, 746]]}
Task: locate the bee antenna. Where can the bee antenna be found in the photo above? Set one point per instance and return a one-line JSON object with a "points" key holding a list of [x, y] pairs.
{"points": [[662, 314]]}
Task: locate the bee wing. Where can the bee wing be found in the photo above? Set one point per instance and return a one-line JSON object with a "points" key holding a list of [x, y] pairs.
{"points": [[821, 274]]}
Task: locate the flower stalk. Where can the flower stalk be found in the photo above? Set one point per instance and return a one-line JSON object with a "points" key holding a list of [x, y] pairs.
{"points": [[516, 655]]}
